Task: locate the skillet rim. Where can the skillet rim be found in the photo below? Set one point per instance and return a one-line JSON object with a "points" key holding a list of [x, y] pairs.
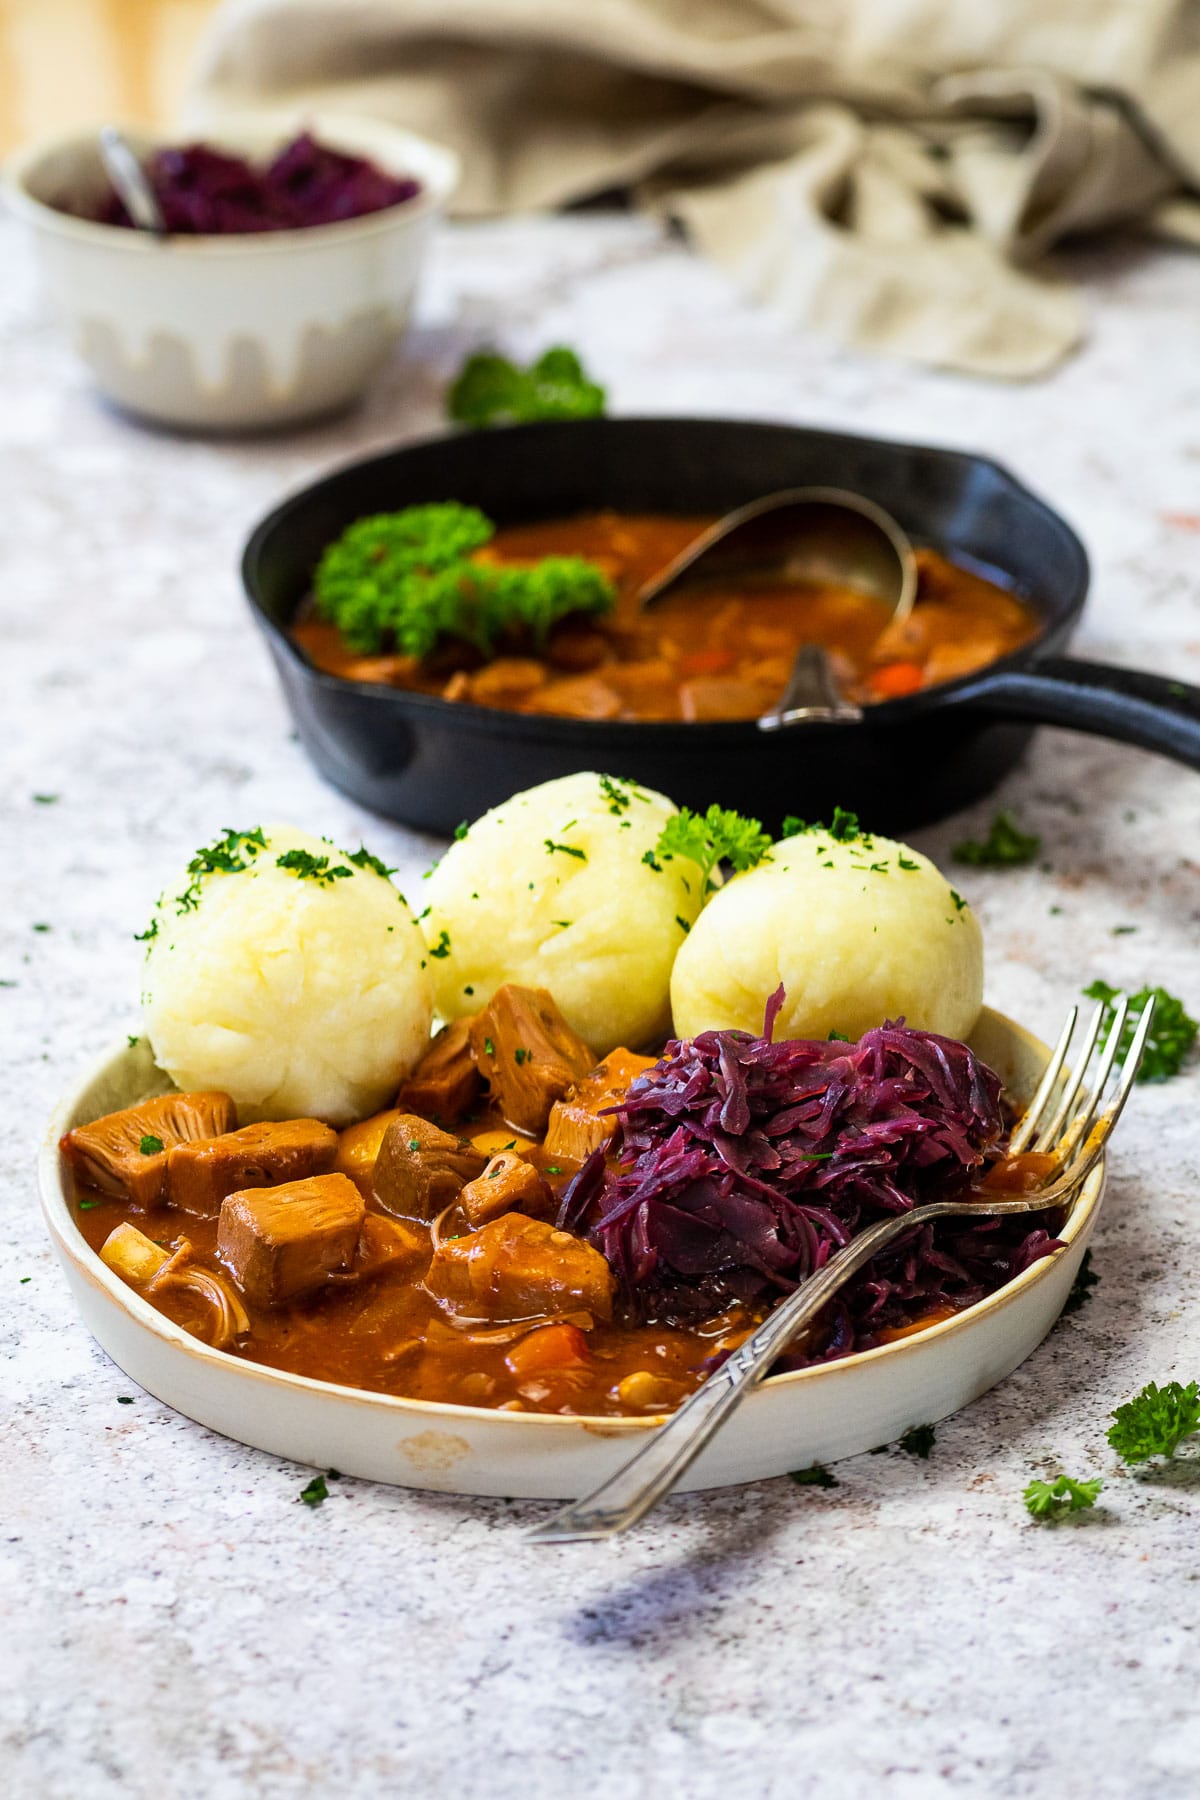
{"points": [[492, 721]]}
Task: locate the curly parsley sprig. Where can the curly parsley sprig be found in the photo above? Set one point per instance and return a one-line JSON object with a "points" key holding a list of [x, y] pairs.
{"points": [[408, 578], [1172, 1034], [1050, 1500], [1155, 1422], [489, 388], [713, 837]]}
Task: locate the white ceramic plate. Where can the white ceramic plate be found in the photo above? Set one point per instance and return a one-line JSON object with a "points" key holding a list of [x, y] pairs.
{"points": [[813, 1415]]}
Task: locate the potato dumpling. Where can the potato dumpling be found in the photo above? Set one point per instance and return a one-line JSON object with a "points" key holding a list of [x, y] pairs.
{"points": [[858, 931], [289, 974], [553, 890]]}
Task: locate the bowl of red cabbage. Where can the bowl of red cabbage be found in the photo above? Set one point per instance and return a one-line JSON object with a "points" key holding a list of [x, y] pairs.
{"points": [[286, 274]]}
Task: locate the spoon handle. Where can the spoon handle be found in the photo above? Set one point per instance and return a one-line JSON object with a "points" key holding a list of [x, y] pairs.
{"points": [[811, 693], [124, 169]]}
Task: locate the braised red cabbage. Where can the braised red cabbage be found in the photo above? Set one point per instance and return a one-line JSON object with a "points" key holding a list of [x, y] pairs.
{"points": [[740, 1165], [206, 192]]}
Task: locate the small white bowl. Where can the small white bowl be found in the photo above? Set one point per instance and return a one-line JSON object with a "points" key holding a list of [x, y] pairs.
{"points": [[792, 1421], [233, 332]]}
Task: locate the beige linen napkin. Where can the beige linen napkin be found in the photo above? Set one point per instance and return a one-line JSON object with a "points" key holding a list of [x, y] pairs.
{"points": [[887, 171]]}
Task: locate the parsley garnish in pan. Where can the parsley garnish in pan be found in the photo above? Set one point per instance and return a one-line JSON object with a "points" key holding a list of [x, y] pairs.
{"points": [[442, 947], [713, 837], [1155, 1422], [1005, 846], [408, 578], [1053, 1499], [489, 388], [1171, 1035], [565, 849], [150, 1146]]}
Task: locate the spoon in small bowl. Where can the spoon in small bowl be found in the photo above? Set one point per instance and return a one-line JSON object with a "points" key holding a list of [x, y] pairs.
{"points": [[813, 534], [124, 169]]}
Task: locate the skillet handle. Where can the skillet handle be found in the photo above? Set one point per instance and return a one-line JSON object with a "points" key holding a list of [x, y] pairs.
{"points": [[1130, 705]]}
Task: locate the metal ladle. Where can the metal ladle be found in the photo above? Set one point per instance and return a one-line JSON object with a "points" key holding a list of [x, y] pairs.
{"points": [[124, 169], [813, 534]]}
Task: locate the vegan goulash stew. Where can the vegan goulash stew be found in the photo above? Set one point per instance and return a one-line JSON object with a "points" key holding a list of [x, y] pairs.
{"points": [[706, 652], [425, 1259]]}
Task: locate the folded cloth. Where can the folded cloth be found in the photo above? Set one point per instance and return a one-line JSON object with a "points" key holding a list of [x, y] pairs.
{"points": [[892, 172]]}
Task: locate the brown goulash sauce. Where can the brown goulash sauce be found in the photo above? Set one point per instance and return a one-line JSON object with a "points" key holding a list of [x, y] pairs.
{"points": [[705, 653], [374, 1326]]}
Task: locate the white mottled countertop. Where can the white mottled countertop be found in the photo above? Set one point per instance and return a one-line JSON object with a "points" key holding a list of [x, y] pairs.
{"points": [[177, 1624]]}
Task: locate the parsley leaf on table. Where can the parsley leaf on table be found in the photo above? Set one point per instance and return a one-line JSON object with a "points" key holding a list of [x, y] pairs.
{"points": [[1054, 1499], [490, 388], [815, 1476], [1172, 1034], [1155, 1422], [1081, 1287], [1005, 846]]}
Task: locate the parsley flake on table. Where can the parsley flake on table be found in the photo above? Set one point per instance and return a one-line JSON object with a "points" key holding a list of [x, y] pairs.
{"points": [[1049, 1500], [1172, 1034], [919, 1440], [1005, 846], [1081, 1287], [817, 1475], [1155, 1422], [316, 1491], [490, 388]]}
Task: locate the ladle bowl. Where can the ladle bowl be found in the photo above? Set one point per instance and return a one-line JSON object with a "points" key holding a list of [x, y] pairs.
{"points": [[822, 535]]}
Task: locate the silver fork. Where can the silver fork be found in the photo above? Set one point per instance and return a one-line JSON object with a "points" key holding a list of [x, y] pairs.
{"points": [[1064, 1119]]}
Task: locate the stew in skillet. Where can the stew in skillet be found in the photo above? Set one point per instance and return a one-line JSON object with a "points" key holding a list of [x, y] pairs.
{"points": [[703, 653]]}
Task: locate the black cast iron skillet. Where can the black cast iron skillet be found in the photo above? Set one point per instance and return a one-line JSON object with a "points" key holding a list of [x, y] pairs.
{"points": [[432, 762]]}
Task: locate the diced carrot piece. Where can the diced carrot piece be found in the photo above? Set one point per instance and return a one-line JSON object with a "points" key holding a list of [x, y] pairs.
{"points": [[707, 662], [549, 1348], [895, 679]]}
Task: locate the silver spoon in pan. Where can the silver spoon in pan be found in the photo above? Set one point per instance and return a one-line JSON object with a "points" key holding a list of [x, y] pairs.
{"points": [[812, 534]]}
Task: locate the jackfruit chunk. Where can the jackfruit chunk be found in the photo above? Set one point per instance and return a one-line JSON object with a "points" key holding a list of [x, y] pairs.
{"points": [[519, 1268], [358, 1149], [280, 1243], [445, 1082], [125, 1152], [508, 1184], [576, 1127], [528, 1053], [421, 1169], [129, 1253], [200, 1175]]}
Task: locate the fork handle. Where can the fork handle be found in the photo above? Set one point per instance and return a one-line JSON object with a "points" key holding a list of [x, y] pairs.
{"points": [[629, 1495]]}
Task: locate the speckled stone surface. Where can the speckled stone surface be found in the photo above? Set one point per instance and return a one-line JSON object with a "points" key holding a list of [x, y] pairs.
{"points": [[176, 1623]]}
